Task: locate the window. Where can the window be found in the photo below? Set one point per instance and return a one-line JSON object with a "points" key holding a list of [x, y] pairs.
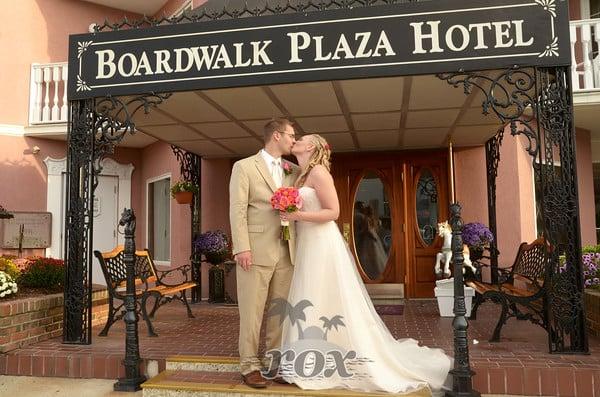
{"points": [[594, 8], [159, 218]]}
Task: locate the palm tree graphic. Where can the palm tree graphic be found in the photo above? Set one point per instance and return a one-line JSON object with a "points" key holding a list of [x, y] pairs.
{"points": [[295, 313], [334, 322]]}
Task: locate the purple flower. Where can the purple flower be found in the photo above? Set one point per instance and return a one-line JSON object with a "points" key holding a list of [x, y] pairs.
{"points": [[476, 234], [212, 242]]}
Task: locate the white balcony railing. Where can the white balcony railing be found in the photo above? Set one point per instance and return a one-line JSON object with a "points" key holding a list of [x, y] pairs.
{"points": [[585, 57], [48, 93]]}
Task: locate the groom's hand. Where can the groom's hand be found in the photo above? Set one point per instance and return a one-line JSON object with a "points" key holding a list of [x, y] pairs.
{"points": [[244, 259]]}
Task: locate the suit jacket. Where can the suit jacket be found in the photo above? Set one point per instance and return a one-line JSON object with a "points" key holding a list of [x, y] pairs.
{"points": [[255, 225]]}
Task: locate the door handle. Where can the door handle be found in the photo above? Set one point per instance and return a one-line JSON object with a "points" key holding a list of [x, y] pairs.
{"points": [[346, 232]]}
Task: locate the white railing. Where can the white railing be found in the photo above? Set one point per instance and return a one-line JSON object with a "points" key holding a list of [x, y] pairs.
{"points": [[585, 55], [48, 93]]}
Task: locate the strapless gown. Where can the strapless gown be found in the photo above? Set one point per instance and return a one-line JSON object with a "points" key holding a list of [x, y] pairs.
{"points": [[332, 334]]}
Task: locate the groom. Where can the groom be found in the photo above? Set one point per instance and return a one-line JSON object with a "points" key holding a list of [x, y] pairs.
{"points": [[264, 261]]}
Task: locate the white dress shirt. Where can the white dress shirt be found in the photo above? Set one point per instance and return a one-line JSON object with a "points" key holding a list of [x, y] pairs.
{"points": [[274, 166]]}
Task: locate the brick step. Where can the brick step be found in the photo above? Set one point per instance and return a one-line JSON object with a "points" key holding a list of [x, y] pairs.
{"points": [[184, 383]]}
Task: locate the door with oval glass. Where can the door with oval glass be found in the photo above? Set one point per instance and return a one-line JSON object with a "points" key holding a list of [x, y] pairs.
{"points": [[390, 205], [428, 204], [371, 215]]}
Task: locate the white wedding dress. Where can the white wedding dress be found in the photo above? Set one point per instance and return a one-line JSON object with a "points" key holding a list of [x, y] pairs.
{"points": [[326, 277]]}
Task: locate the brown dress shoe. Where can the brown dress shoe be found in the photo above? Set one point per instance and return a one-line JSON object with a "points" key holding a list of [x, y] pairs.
{"points": [[281, 380], [254, 379]]}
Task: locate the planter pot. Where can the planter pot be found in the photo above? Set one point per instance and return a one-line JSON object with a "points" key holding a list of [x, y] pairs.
{"points": [[184, 197], [592, 310], [444, 293]]}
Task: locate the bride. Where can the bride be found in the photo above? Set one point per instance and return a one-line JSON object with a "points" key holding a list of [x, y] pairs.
{"points": [[332, 336]]}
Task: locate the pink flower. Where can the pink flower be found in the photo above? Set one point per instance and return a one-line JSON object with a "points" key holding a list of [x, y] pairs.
{"points": [[287, 168]]}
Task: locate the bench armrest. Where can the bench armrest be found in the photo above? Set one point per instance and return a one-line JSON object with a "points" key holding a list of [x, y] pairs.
{"points": [[184, 270]]}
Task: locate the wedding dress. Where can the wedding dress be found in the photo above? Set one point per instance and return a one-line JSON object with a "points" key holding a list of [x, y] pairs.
{"points": [[331, 332]]}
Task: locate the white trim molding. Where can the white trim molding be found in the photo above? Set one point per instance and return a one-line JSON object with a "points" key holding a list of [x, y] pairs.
{"points": [[56, 195], [12, 130]]}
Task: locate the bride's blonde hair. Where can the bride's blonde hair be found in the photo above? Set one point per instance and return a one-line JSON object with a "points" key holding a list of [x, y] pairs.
{"points": [[321, 155]]}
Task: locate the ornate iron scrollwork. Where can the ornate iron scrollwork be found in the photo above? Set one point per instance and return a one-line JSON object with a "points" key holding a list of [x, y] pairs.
{"points": [[190, 167], [206, 13], [536, 103], [96, 127]]}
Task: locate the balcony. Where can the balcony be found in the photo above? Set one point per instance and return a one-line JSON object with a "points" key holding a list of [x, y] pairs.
{"points": [[48, 94], [585, 57]]}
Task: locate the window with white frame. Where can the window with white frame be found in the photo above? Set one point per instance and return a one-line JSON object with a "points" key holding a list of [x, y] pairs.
{"points": [[159, 218]]}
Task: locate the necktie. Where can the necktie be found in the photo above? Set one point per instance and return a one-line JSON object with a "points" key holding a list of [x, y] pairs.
{"points": [[276, 172]]}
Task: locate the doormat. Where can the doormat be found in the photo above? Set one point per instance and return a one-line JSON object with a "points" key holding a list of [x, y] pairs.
{"points": [[389, 309]]}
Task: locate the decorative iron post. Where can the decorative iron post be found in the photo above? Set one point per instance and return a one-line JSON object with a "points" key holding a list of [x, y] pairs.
{"points": [[79, 220], [461, 373], [492, 158], [133, 379], [95, 127], [190, 167]]}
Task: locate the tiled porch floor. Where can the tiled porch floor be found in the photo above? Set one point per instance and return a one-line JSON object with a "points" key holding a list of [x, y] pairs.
{"points": [[518, 365]]}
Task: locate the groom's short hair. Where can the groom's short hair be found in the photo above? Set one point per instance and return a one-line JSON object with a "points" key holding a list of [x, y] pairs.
{"points": [[278, 124]]}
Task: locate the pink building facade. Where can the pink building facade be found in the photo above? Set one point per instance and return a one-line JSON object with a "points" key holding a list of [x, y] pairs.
{"points": [[33, 148]]}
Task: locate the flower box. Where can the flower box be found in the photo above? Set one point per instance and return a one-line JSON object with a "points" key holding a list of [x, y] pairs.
{"points": [[444, 293], [33, 319], [592, 310]]}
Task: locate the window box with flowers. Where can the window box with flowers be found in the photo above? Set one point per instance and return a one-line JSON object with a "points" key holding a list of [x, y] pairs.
{"points": [[183, 192], [591, 277]]}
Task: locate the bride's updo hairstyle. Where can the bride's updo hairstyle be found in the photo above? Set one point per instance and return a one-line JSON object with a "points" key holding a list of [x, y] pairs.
{"points": [[321, 155]]}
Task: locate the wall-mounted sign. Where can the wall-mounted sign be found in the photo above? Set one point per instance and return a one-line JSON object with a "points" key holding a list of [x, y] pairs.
{"points": [[399, 39], [27, 230]]}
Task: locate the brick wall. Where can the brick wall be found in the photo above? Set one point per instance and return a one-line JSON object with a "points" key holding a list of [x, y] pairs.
{"points": [[30, 320], [592, 309]]}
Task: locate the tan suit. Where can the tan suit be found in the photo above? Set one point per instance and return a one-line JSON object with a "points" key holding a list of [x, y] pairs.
{"points": [[256, 227]]}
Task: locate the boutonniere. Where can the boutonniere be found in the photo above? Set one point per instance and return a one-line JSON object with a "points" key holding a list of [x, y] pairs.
{"points": [[287, 168]]}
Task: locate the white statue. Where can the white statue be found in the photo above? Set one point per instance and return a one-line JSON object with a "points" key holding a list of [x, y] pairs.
{"points": [[445, 231]]}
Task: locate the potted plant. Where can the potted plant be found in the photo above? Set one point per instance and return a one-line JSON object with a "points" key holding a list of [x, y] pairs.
{"points": [[183, 191], [477, 236], [214, 245]]}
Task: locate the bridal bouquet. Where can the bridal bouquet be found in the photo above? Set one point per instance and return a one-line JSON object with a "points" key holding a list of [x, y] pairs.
{"points": [[286, 199]]}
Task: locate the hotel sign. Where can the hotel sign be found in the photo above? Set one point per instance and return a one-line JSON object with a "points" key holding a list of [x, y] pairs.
{"points": [[400, 39]]}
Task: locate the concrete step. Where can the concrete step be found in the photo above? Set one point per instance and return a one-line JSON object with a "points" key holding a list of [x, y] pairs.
{"points": [[185, 383], [390, 293], [203, 363]]}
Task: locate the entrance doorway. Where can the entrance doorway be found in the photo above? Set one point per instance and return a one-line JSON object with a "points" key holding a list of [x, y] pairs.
{"points": [[390, 204]]}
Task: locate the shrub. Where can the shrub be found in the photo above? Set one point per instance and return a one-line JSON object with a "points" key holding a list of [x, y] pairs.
{"points": [[44, 273], [7, 285], [588, 249], [9, 267]]}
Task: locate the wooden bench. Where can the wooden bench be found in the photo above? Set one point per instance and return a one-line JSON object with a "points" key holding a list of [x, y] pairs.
{"points": [[521, 290], [149, 282]]}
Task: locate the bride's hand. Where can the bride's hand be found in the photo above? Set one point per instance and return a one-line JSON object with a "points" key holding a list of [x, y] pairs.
{"points": [[289, 216]]}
